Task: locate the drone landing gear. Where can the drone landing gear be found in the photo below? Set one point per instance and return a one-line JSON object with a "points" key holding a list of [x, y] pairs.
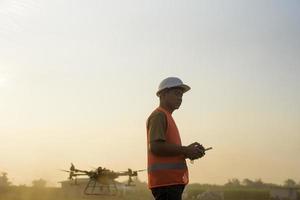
{"points": [[93, 187]]}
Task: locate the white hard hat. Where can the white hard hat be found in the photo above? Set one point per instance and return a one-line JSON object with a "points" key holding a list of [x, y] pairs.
{"points": [[171, 82]]}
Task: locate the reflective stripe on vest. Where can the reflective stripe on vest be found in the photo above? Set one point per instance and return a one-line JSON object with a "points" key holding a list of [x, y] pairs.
{"points": [[164, 166]]}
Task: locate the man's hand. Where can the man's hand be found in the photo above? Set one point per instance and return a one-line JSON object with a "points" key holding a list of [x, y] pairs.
{"points": [[162, 148], [194, 151]]}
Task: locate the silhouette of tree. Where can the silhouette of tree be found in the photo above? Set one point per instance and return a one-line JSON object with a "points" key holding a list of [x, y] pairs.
{"points": [[258, 183], [247, 182], [4, 180], [289, 183], [40, 183], [233, 182]]}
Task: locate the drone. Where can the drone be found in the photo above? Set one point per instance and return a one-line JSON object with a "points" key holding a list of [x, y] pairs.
{"points": [[101, 180]]}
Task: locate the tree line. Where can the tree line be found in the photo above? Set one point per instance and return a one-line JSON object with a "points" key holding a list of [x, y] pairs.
{"points": [[234, 182], [258, 183], [4, 182]]}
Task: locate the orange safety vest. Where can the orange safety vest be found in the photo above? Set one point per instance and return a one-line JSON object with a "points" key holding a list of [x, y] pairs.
{"points": [[167, 170]]}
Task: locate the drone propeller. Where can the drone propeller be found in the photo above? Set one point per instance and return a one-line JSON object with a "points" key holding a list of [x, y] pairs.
{"points": [[64, 170], [141, 170], [71, 173]]}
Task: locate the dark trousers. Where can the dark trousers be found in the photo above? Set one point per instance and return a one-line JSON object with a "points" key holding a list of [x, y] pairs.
{"points": [[172, 192]]}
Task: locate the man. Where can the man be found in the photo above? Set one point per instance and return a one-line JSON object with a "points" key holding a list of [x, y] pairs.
{"points": [[167, 169]]}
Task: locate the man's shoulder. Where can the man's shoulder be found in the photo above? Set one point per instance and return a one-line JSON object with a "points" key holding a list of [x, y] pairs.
{"points": [[156, 117], [157, 114]]}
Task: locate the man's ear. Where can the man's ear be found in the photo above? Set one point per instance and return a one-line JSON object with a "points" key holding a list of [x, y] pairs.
{"points": [[162, 94]]}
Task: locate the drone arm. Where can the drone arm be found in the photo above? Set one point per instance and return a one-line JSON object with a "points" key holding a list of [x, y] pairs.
{"points": [[79, 174], [82, 171]]}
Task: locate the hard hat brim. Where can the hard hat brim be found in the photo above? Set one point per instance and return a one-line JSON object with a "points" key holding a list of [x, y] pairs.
{"points": [[183, 86]]}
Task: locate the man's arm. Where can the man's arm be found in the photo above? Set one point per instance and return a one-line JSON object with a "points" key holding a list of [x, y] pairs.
{"points": [[162, 148]]}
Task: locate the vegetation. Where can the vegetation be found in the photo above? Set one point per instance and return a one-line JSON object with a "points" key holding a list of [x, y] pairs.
{"points": [[232, 190]]}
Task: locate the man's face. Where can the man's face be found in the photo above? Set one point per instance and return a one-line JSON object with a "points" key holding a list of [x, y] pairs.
{"points": [[173, 97]]}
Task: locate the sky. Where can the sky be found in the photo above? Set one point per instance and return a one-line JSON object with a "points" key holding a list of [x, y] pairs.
{"points": [[78, 81]]}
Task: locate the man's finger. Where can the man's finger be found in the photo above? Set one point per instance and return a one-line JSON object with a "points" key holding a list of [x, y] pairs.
{"points": [[195, 144]]}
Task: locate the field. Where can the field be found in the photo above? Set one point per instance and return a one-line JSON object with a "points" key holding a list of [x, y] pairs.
{"points": [[30, 193], [141, 193]]}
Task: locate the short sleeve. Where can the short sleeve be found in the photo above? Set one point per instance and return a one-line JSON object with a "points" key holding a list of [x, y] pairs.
{"points": [[157, 127]]}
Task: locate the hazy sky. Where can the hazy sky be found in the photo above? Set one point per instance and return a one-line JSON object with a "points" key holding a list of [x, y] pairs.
{"points": [[78, 81]]}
